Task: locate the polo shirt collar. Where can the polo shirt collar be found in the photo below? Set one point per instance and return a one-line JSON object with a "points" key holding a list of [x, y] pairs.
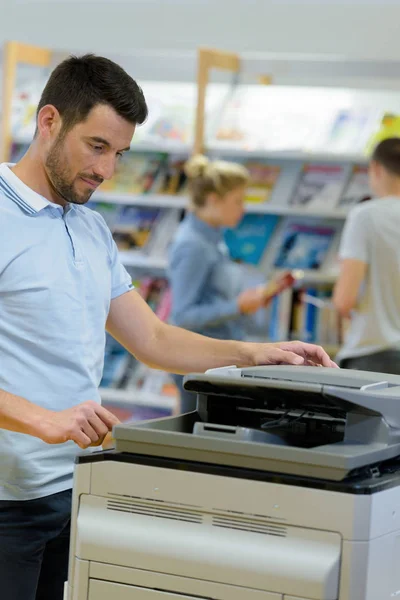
{"points": [[15, 189]]}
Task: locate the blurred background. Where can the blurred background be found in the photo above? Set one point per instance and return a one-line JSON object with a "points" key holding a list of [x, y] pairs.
{"points": [[297, 92]]}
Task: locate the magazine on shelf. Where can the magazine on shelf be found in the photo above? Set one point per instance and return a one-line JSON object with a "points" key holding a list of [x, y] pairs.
{"points": [[172, 179], [263, 178], [357, 189], [172, 109], [349, 130], [267, 118], [303, 244], [163, 232], [248, 241], [148, 229], [123, 371], [136, 173], [134, 225], [319, 186]]}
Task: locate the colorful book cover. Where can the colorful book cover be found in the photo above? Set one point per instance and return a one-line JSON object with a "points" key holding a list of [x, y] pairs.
{"points": [[133, 226], [303, 246], [135, 173], [357, 189], [263, 178], [349, 131], [247, 242], [319, 186]]}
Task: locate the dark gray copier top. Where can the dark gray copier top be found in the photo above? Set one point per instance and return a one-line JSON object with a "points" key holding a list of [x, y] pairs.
{"points": [[307, 421]]}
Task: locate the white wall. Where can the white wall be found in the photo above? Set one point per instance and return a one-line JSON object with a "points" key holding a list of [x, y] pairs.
{"points": [[363, 28], [156, 39]]}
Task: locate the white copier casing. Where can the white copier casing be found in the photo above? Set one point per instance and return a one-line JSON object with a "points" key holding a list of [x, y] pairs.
{"points": [[173, 515]]}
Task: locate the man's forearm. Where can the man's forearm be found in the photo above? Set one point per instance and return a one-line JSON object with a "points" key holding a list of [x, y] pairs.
{"points": [[20, 415], [180, 351]]}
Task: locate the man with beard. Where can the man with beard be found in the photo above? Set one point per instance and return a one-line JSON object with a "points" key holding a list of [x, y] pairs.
{"points": [[61, 287]]}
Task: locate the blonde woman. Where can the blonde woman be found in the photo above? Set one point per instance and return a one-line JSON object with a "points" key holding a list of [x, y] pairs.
{"points": [[206, 285]]}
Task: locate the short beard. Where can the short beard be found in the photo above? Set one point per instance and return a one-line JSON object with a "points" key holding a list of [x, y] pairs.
{"points": [[59, 175]]}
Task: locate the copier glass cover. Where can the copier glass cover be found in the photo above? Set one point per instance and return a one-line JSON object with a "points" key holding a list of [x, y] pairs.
{"points": [[307, 421]]}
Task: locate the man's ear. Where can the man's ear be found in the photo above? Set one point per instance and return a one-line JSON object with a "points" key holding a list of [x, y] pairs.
{"points": [[48, 122]]}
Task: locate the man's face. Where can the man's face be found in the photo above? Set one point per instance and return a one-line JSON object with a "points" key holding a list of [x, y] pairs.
{"points": [[80, 160]]}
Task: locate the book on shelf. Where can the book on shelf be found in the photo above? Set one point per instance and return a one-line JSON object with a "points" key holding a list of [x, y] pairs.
{"points": [[267, 118], [280, 283], [134, 226], [247, 242], [136, 173], [123, 371], [349, 130], [263, 178], [357, 189], [139, 228], [172, 109], [171, 179], [319, 186], [305, 314]]}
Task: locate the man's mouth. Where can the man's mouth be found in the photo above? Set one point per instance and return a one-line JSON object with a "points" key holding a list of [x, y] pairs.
{"points": [[91, 183]]}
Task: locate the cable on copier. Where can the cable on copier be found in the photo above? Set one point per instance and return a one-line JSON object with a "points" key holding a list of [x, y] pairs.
{"points": [[283, 421]]}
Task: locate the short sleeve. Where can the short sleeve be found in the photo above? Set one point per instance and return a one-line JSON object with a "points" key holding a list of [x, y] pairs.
{"points": [[121, 281], [356, 235]]}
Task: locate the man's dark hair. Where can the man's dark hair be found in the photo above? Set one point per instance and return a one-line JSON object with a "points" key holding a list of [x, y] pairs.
{"points": [[78, 84], [387, 153]]}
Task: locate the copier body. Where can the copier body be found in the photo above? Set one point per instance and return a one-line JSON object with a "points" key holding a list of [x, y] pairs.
{"points": [[181, 511]]}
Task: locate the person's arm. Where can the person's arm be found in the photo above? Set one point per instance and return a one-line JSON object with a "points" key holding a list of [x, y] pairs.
{"points": [[347, 288], [86, 424], [134, 325], [354, 257], [190, 267]]}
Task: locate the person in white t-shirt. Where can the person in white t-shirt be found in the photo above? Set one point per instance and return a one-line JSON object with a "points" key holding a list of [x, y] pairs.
{"points": [[368, 288]]}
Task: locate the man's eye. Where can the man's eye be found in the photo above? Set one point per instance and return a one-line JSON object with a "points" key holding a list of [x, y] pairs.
{"points": [[119, 154], [97, 148]]}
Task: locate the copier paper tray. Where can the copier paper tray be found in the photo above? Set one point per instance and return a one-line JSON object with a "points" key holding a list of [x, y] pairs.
{"points": [[307, 421]]}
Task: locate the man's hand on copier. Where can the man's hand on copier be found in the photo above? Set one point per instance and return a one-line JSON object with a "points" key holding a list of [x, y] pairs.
{"points": [[292, 353]]}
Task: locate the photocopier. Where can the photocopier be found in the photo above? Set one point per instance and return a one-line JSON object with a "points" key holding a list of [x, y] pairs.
{"points": [[284, 484]]}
